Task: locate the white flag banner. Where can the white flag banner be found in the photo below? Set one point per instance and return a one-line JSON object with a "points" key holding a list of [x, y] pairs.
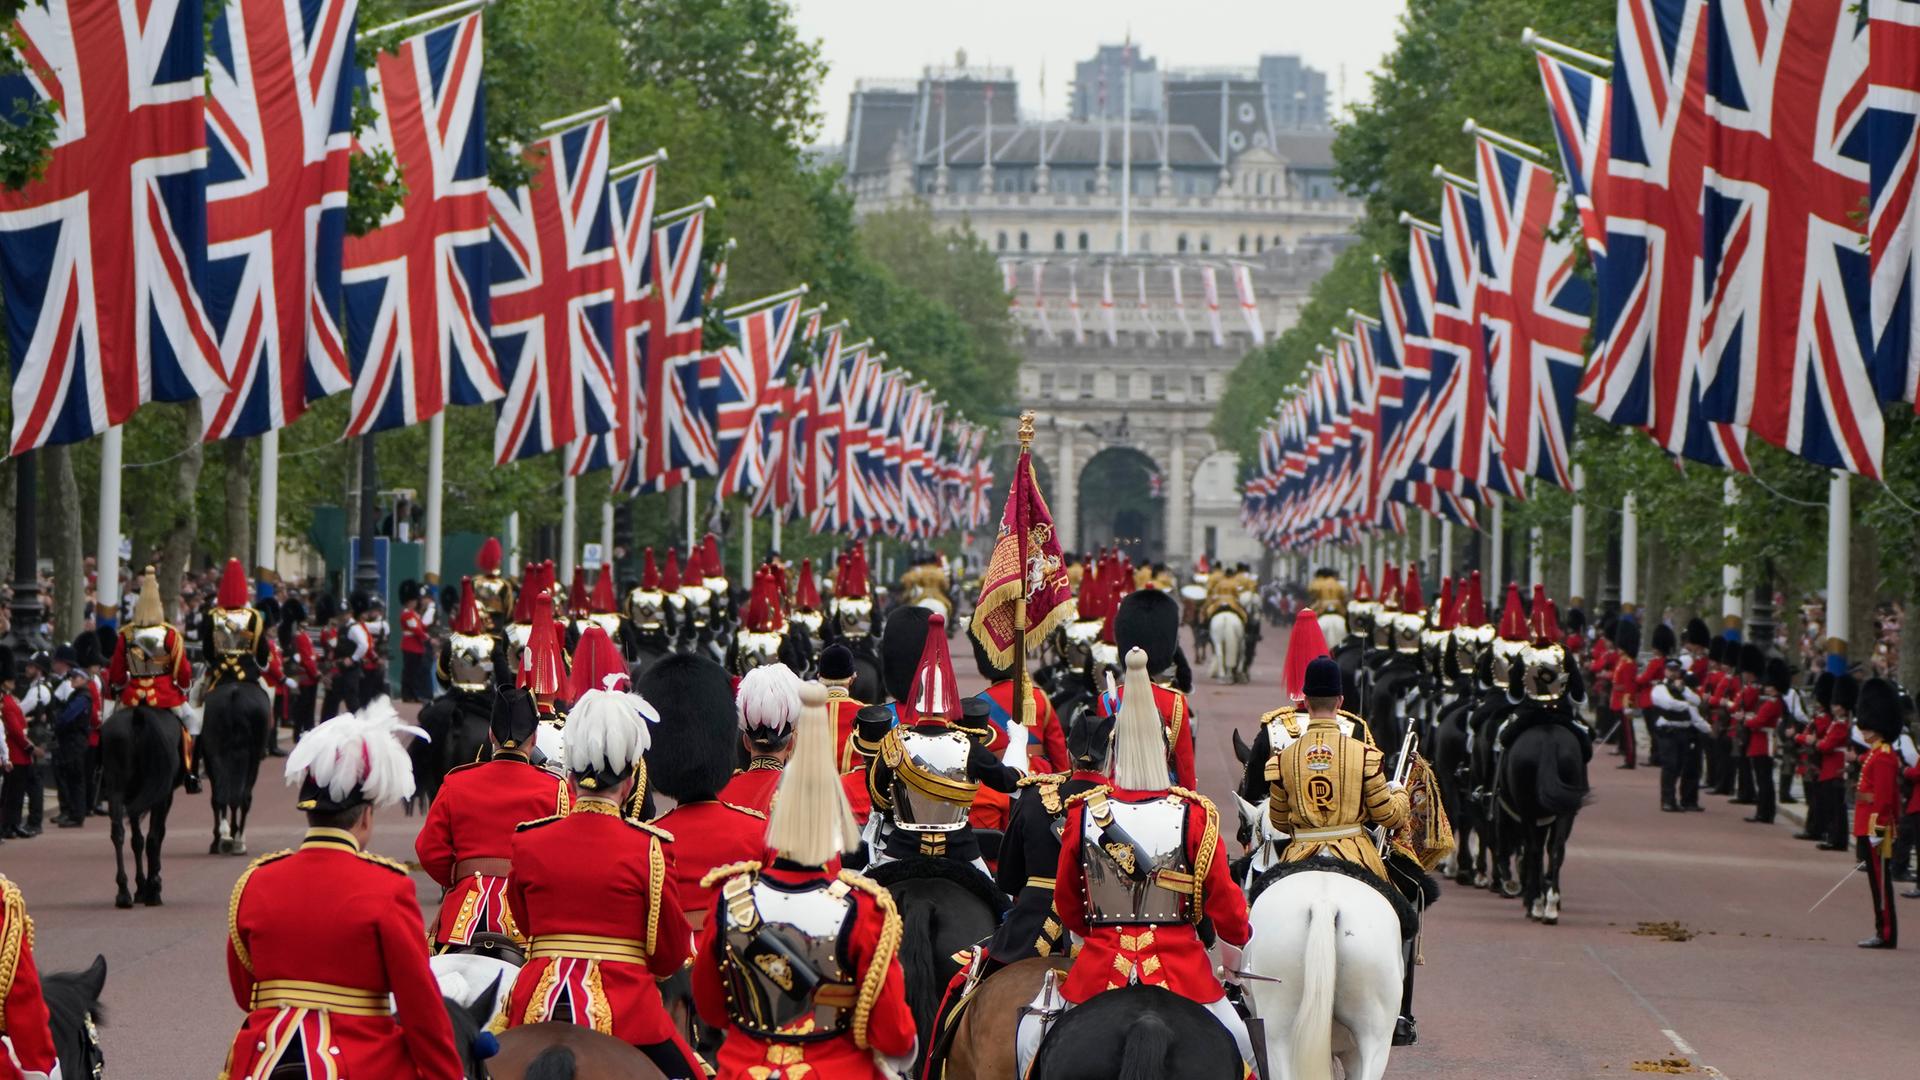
{"points": [[1243, 287], [1180, 303], [1107, 314], [1073, 303], [1040, 297], [1146, 316], [1209, 282], [1010, 282]]}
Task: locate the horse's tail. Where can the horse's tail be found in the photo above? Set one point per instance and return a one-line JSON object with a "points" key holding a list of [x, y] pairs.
{"points": [[1143, 1056], [553, 1063], [152, 758], [917, 961], [1560, 777], [1312, 1042]]}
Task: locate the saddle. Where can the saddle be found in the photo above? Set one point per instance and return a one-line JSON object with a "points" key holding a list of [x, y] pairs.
{"points": [[962, 874], [1409, 917], [485, 943]]}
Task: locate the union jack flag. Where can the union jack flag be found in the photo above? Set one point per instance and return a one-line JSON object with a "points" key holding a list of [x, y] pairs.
{"points": [[753, 378], [677, 437], [1534, 312], [630, 200], [1577, 100], [104, 255], [818, 442], [416, 287], [1893, 225], [1644, 371], [279, 110], [788, 433], [1787, 326], [1461, 446], [554, 281]]}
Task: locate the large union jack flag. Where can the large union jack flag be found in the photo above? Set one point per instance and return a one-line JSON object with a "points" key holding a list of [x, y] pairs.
{"points": [[753, 381], [416, 287], [1461, 447], [1787, 325], [1893, 224], [677, 436], [554, 279], [102, 258], [631, 200], [1533, 310], [1577, 99], [279, 108]]}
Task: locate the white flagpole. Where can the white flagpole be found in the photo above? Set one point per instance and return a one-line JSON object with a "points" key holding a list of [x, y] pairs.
{"points": [[513, 542], [606, 536], [1730, 605], [1577, 555], [1126, 148], [436, 491], [107, 557], [746, 547], [1426, 547], [267, 526], [569, 527], [1498, 534], [693, 496], [1839, 566], [1629, 554], [779, 518], [1446, 547]]}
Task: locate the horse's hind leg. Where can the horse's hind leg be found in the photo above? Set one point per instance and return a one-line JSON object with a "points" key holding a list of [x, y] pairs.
{"points": [[117, 828], [1557, 857], [138, 839], [156, 835], [239, 846]]}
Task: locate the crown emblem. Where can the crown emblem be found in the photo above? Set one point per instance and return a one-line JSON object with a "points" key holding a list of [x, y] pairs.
{"points": [[1319, 757]]}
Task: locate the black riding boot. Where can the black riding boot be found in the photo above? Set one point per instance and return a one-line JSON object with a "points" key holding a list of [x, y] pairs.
{"points": [[1403, 1028]]}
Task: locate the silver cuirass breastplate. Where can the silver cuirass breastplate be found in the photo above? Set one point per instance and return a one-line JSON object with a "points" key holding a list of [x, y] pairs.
{"points": [[763, 995], [929, 779], [147, 652], [470, 661], [1119, 893], [233, 631]]}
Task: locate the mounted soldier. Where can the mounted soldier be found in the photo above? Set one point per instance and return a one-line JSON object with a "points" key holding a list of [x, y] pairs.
{"points": [[471, 665], [1149, 620], [768, 703], [236, 705], [494, 591], [650, 618], [150, 668]]}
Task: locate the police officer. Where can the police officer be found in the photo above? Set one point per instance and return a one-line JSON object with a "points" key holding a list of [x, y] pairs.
{"points": [[75, 707]]}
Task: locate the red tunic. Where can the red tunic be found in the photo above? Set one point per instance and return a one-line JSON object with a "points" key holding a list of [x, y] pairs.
{"points": [[1625, 675], [1760, 724], [595, 886], [709, 834], [413, 632], [841, 709], [1046, 740], [1176, 715], [872, 938], [306, 667], [1876, 802], [1833, 749], [1651, 676], [25, 1040], [752, 787], [855, 785], [1169, 956], [19, 748], [159, 691], [329, 914], [474, 816]]}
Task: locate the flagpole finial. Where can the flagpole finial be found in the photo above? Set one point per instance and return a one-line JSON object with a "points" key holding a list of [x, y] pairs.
{"points": [[1026, 430]]}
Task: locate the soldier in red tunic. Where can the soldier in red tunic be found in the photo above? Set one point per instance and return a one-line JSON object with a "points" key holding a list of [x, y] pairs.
{"points": [[1150, 620], [1046, 741], [768, 701], [465, 843], [797, 960], [320, 938], [1876, 803], [26, 1044], [591, 890], [150, 667]]}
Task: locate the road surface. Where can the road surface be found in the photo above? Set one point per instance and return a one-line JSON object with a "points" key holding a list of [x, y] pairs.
{"points": [[1762, 990]]}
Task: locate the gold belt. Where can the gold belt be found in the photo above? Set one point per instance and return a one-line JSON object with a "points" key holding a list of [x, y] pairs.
{"points": [[1331, 832], [588, 947], [1040, 883], [300, 994]]}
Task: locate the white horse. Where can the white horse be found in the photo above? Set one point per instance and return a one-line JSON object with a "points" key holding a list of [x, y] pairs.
{"points": [[1265, 854], [1327, 959], [1228, 632], [468, 978]]}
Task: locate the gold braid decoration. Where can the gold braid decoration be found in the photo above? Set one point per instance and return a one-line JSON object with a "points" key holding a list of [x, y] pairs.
{"points": [[1102, 790], [1202, 859], [14, 929], [884, 951], [233, 908], [656, 881], [720, 873]]}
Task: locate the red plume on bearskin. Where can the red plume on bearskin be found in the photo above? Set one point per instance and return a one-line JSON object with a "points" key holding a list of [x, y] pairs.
{"points": [[1513, 617], [1443, 615], [934, 692], [1305, 645], [601, 602], [649, 573], [806, 592], [1412, 597], [543, 667], [233, 585], [487, 559], [466, 617], [1472, 610], [1362, 586], [595, 657]]}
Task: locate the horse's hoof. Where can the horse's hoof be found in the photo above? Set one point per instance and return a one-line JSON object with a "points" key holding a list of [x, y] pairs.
{"points": [[1510, 890], [239, 847], [153, 899], [123, 901], [214, 848]]}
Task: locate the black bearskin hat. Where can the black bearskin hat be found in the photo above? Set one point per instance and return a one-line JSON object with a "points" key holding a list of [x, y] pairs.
{"points": [[691, 757], [293, 612], [326, 608], [360, 601], [1575, 621], [1626, 635], [1717, 650], [86, 650], [1752, 661], [836, 662], [514, 719], [106, 640], [901, 644], [269, 610], [989, 670], [1779, 676], [1846, 692], [1148, 619], [1878, 709], [7, 670], [1663, 640], [1697, 633], [1823, 689]]}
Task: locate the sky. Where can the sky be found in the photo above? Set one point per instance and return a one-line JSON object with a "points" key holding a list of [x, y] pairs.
{"points": [[896, 38]]}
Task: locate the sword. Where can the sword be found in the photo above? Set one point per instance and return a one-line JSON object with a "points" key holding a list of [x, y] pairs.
{"points": [[1852, 870]]}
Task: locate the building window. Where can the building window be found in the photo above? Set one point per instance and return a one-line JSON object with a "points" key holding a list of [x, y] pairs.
{"points": [[1083, 241], [1000, 241], [1243, 243], [1198, 388], [1206, 242], [1159, 383], [1122, 386], [1259, 244], [1086, 384], [1023, 240], [1046, 384], [1181, 244], [1060, 241], [1146, 241]]}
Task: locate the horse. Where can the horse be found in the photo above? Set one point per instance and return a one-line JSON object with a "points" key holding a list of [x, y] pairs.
{"points": [[945, 906], [140, 766], [1326, 966], [1137, 1033], [1451, 766], [981, 1044], [1543, 784], [457, 727], [1228, 632], [74, 1013], [233, 737], [560, 1051]]}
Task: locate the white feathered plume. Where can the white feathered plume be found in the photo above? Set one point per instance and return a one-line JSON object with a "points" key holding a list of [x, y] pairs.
{"points": [[365, 750], [768, 699], [607, 730], [811, 821], [1139, 740]]}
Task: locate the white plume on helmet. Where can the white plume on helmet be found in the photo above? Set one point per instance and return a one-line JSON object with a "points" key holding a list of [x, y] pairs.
{"points": [[607, 730], [1140, 742], [768, 699], [811, 821], [365, 750]]}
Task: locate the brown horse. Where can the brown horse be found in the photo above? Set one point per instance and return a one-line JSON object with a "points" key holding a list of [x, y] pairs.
{"points": [[981, 1047], [567, 1052]]}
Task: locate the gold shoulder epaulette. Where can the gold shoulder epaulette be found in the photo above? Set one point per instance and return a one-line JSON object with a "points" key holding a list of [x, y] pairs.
{"points": [[465, 766], [884, 951], [734, 869], [537, 822], [15, 929], [394, 865], [1194, 797], [1269, 717], [1101, 791], [233, 905], [1042, 778], [650, 828], [747, 810]]}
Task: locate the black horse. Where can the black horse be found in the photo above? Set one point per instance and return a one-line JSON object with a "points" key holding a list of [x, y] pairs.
{"points": [[1137, 1033], [75, 1015], [140, 766], [469, 1032], [1452, 767], [233, 739], [1543, 785], [456, 724], [945, 906]]}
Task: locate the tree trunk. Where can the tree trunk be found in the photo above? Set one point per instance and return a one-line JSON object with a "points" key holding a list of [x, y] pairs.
{"points": [[235, 529], [62, 536], [176, 544]]}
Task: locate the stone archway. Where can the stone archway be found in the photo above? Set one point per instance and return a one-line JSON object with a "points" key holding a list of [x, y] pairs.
{"points": [[1122, 505]]}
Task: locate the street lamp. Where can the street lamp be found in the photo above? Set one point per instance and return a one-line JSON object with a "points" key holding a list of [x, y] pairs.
{"points": [[24, 638], [366, 572]]}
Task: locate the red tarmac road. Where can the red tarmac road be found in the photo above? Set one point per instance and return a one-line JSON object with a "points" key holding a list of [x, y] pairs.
{"points": [[1764, 992]]}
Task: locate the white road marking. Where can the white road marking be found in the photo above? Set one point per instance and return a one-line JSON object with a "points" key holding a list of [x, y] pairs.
{"points": [[1679, 1043]]}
